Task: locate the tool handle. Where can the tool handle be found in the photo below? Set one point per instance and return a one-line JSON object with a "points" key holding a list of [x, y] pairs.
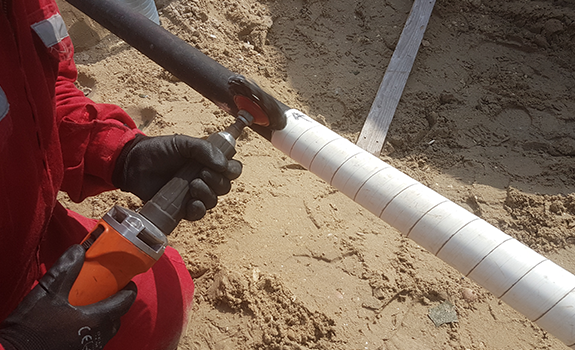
{"points": [[167, 207], [111, 262]]}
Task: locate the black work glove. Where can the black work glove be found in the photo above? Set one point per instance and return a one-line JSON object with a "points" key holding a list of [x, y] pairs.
{"points": [[45, 320], [148, 163]]}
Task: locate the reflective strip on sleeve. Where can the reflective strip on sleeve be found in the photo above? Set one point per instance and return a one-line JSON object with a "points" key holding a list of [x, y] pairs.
{"points": [[4, 105], [51, 30]]}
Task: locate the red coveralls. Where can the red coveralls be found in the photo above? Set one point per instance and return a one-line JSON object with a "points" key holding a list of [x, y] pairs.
{"points": [[53, 138]]}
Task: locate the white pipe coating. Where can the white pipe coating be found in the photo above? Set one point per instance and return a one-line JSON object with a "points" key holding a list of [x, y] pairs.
{"points": [[524, 279]]}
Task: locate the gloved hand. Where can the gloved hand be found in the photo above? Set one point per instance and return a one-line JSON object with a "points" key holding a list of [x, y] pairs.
{"points": [[148, 163], [45, 320]]}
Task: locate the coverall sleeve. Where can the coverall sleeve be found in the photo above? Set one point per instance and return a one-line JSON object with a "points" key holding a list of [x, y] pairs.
{"points": [[91, 136]]}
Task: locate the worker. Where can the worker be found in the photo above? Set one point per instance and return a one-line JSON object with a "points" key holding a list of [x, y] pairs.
{"points": [[53, 138]]}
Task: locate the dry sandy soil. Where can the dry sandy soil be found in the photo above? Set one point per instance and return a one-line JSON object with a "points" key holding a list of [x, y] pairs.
{"points": [[287, 262]]}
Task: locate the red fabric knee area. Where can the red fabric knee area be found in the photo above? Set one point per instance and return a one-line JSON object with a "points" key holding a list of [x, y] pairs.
{"points": [[159, 315]]}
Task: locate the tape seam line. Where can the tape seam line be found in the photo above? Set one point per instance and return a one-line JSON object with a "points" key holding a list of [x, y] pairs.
{"points": [[366, 180], [558, 301], [279, 136], [520, 278], [299, 137], [395, 196], [454, 233], [486, 255], [322, 147], [422, 216], [341, 165]]}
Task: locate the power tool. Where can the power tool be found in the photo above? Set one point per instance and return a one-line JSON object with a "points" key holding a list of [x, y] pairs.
{"points": [[126, 243]]}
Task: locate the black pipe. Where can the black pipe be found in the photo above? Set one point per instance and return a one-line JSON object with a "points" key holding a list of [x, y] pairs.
{"points": [[200, 72]]}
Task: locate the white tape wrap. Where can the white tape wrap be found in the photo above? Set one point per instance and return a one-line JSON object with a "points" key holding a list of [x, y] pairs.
{"points": [[527, 281]]}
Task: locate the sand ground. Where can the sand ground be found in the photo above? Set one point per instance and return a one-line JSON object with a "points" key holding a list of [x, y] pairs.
{"points": [[287, 262]]}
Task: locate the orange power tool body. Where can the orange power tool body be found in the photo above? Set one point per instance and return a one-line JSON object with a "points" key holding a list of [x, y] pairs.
{"points": [[126, 243]]}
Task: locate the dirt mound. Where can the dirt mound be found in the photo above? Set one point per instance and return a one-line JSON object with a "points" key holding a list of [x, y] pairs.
{"points": [[543, 222], [285, 322]]}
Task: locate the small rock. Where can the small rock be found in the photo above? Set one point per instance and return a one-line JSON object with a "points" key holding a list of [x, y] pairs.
{"points": [[256, 274], [86, 91], [432, 118], [267, 21], [443, 313], [379, 293], [468, 294]]}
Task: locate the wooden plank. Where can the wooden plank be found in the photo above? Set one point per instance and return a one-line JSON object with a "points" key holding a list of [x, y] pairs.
{"points": [[374, 131]]}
